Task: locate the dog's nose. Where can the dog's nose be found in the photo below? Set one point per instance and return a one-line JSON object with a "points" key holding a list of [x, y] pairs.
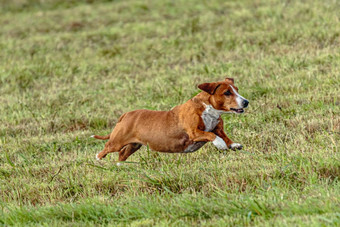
{"points": [[245, 103]]}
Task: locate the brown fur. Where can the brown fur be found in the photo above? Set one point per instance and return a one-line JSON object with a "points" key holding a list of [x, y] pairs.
{"points": [[102, 137], [171, 131]]}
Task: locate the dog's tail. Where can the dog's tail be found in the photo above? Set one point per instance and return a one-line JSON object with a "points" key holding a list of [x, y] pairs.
{"points": [[101, 137]]}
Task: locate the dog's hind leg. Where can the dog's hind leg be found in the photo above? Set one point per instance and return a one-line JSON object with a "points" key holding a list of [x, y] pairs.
{"points": [[128, 150], [110, 146], [119, 139]]}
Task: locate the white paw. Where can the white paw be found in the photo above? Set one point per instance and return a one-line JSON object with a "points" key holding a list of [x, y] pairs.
{"points": [[97, 157], [119, 164], [92, 136], [235, 146], [219, 143]]}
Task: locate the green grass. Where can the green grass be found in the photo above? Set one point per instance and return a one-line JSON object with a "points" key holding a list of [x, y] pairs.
{"points": [[69, 69]]}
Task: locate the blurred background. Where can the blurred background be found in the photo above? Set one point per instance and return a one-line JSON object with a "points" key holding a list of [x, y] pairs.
{"points": [[69, 69]]}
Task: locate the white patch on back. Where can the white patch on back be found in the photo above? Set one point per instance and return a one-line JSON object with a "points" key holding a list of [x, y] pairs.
{"points": [[239, 98], [210, 117]]}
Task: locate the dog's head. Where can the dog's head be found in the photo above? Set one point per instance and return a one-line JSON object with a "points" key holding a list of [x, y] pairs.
{"points": [[224, 96]]}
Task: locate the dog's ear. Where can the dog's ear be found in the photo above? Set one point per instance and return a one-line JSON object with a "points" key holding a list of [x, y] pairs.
{"points": [[230, 80], [209, 87]]}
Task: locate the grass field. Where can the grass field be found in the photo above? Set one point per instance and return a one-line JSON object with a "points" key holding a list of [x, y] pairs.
{"points": [[69, 69]]}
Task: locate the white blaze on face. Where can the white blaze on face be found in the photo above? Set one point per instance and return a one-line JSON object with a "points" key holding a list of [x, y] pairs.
{"points": [[239, 98]]}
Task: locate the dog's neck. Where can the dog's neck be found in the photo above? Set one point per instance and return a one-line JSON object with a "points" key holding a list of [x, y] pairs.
{"points": [[211, 111], [203, 100]]}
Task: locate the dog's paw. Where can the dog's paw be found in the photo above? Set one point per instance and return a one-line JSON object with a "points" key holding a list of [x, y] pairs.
{"points": [[219, 143], [97, 157], [236, 146]]}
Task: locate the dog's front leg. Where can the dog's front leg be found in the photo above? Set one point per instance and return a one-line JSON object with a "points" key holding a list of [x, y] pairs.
{"points": [[220, 133], [203, 136]]}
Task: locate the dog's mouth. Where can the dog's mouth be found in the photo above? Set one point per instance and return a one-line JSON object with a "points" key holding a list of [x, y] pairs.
{"points": [[240, 110]]}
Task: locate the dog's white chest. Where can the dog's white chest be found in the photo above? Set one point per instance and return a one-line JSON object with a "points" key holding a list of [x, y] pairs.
{"points": [[210, 117]]}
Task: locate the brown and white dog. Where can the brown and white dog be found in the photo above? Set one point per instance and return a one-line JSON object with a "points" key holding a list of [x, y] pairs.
{"points": [[183, 129]]}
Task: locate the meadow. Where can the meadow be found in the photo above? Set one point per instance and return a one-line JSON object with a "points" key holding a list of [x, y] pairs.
{"points": [[69, 69]]}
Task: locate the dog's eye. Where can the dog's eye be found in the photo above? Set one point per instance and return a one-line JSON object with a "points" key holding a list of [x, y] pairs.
{"points": [[227, 93]]}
